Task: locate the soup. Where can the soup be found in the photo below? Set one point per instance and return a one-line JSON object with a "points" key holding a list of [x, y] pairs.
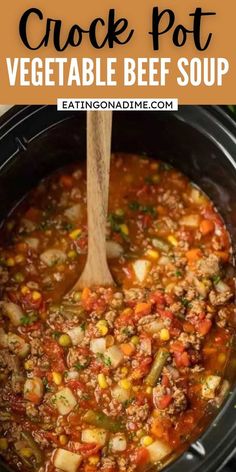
{"points": [[112, 379]]}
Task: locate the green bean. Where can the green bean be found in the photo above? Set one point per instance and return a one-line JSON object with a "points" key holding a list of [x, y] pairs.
{"points": [[157, 367], [32, 444], [99, 419]]}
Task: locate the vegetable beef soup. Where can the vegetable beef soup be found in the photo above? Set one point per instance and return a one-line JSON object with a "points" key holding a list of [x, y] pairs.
{"points": [[112, 379]]}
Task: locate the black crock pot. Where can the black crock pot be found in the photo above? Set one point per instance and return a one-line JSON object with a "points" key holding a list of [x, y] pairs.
{"points": [[200, 141]]}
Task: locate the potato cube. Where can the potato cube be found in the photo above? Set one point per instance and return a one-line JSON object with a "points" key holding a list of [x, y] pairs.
{"points": [[66, 460]]}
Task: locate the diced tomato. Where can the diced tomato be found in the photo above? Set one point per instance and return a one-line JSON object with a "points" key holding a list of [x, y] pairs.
{"points": [[32, 327], [55, 354], [88, 449], [177, 346], [165, 381], [141, 457], [75, 385], [204, 327], [182, 359], [158, 298], [33, 214], [175, 328], [143, 368], [51, 437], [164, 401], [165, 314], [169, 298]]}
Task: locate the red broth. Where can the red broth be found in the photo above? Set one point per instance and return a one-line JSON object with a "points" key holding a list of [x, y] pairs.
{"points": [[108, 379]]}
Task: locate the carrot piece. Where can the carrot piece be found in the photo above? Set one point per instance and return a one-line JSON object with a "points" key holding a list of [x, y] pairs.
{"points": [[193, 254], [207, 227], [204, 327], [66, 181], [127, 349], [85, 294], [90, 468], [164, 401], [188, 327], [157, 429], [142, 309], [223, 255]]}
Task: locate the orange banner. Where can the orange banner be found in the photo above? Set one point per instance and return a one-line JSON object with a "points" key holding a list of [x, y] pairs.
{"points": [[91, 49]]}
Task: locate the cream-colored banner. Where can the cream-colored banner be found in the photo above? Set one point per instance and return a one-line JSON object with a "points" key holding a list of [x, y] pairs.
{"points": [[154, 49]]}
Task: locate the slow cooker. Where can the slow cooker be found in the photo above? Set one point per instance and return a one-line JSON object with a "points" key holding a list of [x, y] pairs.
{"points": [[200, 141]]}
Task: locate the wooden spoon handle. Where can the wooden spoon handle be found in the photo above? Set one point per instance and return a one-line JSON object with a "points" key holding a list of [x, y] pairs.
{"points": [[99, 125]]}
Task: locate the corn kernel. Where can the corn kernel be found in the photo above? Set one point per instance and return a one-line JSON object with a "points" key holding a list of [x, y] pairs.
{"points": [[152, 254], [63, 439], [149, 390], [36, 296], [124, 229], [24, 290], [164, 334], [19, 259], [93, 460], [124, 370], [64, 340], [19, 277], [29, 365], [155, 178], [57, 378], [221, 358], [125, 383], [135, 340], [102, 327], [77, 296], [147, 440], [26, 452], [102, 381], [72, 254], [172, 240], [119, 212], [75, 234], [3, 444], [10, 262]]}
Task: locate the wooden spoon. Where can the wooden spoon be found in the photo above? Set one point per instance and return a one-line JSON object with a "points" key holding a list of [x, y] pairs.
{"points": [[96, 271]]}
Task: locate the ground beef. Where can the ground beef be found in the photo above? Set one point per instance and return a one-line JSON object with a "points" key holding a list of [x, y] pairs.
{"points": [[137, 413], [222, 317], [108, 463], [190, 340], [134, 294], [179, 402], [220, 298], [208, 266]]}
